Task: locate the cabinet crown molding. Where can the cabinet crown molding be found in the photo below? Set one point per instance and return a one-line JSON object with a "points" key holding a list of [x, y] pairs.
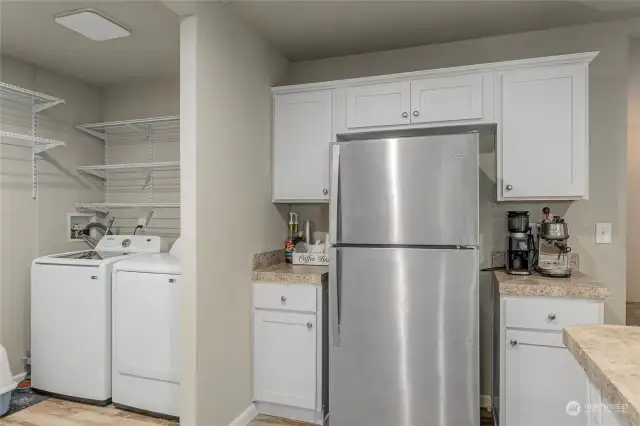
{"points": [[488, 67]]}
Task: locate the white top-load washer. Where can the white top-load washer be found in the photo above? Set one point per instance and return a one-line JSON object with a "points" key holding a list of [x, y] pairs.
{"points": [[146, 333], [71, 317]]}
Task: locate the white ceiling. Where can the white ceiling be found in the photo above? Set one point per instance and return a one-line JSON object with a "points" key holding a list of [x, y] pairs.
{"points": [[300, 29], [304, 30], [29, 33]]}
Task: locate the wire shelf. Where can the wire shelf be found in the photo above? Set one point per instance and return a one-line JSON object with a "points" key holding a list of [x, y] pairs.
{"points": [[107, 206], [102, 170], [39, 101], [25, 141], [143, 126]]}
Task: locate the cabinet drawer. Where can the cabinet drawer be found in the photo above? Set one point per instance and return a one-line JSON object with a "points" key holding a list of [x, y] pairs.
{"points": [[285, 296], [546, 313]]}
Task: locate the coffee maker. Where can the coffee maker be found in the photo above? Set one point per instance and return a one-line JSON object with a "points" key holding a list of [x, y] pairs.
{"points": [[521, 247]]}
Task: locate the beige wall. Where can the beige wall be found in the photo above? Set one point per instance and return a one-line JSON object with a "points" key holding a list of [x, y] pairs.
{"points": [[226, 73], [608, 115], [30, 228], [141, 98], [144, 98], [633, 203]]}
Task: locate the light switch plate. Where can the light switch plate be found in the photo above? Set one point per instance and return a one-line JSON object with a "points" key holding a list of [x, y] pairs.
{"points": [[603, 233]]}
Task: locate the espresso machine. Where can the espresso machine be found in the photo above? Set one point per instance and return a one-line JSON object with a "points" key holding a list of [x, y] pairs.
{"points": [[521, 246], [553, 234]]}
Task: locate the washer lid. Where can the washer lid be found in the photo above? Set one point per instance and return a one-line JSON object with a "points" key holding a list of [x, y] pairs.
{"points": [[162, 263]]}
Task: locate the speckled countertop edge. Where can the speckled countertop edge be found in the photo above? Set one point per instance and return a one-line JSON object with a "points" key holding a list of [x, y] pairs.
{"points": [[579, 286], [610, 390]]}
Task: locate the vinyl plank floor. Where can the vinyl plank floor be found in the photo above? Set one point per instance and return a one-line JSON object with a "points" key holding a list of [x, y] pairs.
{"points": [[633, 313], [56, 412]]}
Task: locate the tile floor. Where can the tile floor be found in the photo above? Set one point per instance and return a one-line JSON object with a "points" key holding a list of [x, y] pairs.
{"points": [[55, 412]]}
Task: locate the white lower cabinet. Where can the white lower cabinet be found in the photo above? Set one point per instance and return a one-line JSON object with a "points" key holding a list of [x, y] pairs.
{"points": [[285, 364], [287, 351], [538, 379], [541, 379]]}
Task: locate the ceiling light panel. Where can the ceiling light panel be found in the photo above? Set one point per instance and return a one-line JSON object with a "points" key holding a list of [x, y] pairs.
{"points": [[92, 24]]}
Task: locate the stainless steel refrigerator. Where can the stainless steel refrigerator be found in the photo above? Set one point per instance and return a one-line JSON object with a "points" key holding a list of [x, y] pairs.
{"points": [[403, 282]]}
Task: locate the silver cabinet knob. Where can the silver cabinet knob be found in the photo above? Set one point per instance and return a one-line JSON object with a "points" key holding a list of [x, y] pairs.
{"points": [[513, 342], [509, 187], [325, 191], [416, 113], [552, 316], [309, 325], [405, 115], [283, 299]]}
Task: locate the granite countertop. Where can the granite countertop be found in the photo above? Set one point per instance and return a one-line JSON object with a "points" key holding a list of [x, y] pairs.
{"points": [[292, 274], [610, 355], [579, 285]]}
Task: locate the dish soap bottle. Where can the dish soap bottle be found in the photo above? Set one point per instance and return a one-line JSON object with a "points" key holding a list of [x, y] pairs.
{"points": [[289, 243]]}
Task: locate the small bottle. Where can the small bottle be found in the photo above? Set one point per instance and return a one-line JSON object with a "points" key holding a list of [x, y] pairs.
{"points": [[289, 243]]}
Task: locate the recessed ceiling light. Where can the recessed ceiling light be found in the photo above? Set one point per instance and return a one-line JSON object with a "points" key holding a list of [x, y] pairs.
{"points": [[93, 24]]}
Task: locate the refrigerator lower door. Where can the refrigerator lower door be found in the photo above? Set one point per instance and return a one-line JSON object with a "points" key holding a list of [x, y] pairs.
{"points": [[409, 191], [407, 353]]}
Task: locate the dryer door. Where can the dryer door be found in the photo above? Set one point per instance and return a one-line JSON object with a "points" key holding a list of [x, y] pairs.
{"points": [[146, 321]]}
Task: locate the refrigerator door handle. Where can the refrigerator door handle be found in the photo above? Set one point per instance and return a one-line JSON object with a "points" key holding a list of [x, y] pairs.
{"points": [[334, 295], [333, 196]]}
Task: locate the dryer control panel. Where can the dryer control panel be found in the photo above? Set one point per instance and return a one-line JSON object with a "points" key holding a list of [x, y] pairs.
{"points": [[133, 244]]}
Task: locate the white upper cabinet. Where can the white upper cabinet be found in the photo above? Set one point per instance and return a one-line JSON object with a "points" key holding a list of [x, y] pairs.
{"points": [[302, 132], [540, 109], [449, 99], [542, 139], [375, 105]]}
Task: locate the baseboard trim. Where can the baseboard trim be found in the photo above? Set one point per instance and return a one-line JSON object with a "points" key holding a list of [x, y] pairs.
{"points": [[19, 377], [292, 413], [245, 418]]}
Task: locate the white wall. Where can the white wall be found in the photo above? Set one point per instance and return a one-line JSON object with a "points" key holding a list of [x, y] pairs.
{"points": [[608, 115], [227, 215], [633, 203], [30, 228], [144, 98]]}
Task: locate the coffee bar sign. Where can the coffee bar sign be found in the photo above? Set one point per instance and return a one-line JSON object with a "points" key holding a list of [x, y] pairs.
{"points": [[313, 259]]}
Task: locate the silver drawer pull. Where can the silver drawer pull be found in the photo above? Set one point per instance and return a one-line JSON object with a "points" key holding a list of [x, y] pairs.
{"points": [[309, 325], [513, 342], [283, 299], [552, 316]]}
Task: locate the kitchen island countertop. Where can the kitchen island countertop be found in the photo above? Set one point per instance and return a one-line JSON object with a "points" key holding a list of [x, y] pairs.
{"points": [[610, 355], [579, 286], [292, 274]]}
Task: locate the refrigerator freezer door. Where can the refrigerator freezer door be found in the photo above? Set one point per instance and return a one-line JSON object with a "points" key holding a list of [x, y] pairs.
{"points": [[410, 191], [408, 349]]}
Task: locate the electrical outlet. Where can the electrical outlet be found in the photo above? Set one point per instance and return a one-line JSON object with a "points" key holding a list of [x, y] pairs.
{"points": [[603, 233], [142, 221]]}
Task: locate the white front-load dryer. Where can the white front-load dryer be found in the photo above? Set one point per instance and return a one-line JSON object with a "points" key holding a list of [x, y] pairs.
{"points": [[146, 335]]}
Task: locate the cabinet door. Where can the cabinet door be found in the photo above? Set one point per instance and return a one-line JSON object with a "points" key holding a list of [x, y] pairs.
{"points": [[543, 133], [285, 358], [375, 105], [455, 98], [301, 137], [543, 381]]}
